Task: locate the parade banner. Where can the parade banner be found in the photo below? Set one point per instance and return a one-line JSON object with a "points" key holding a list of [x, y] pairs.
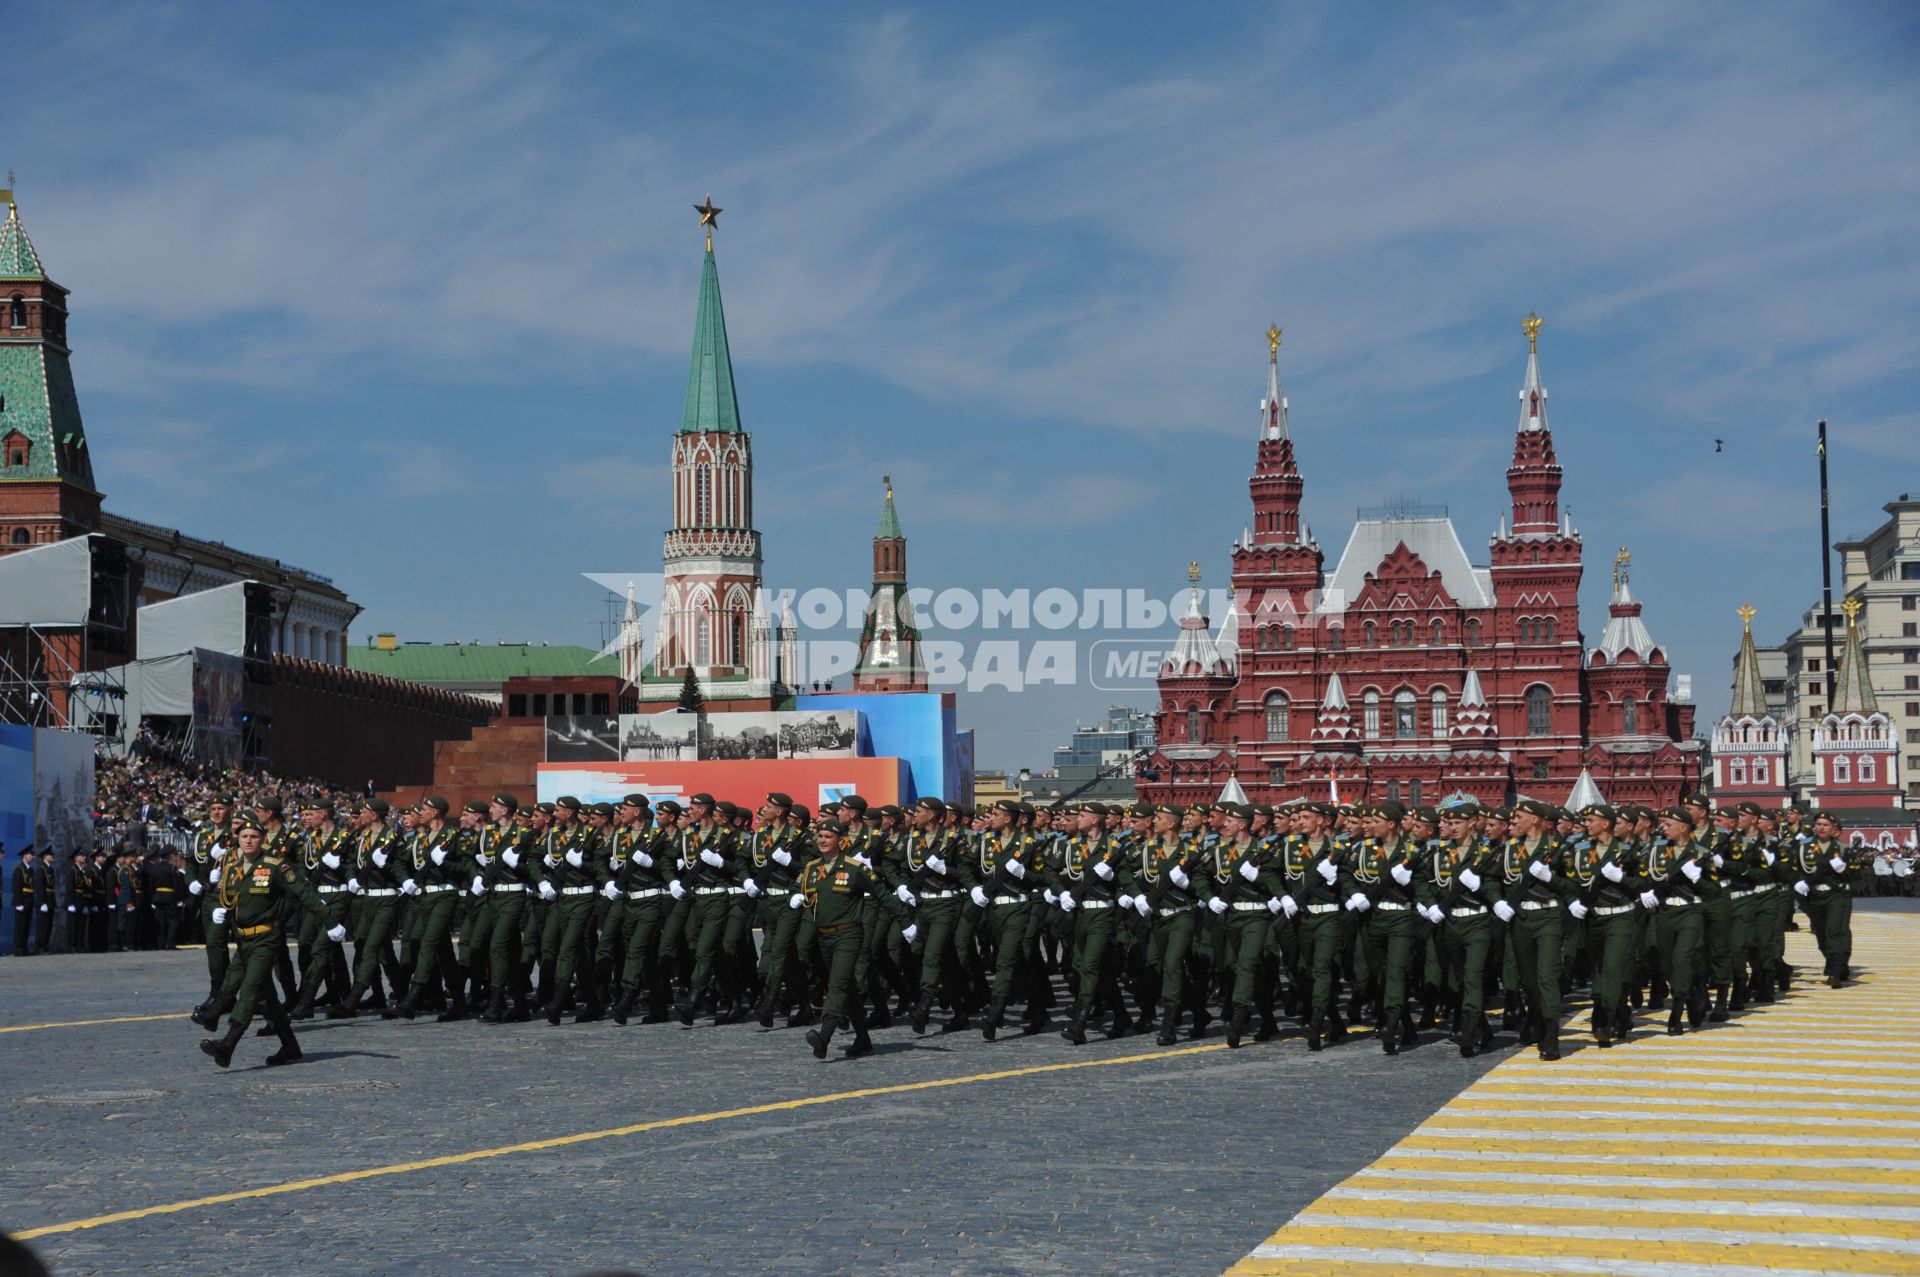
{"points": [[810, 781], [62, 790], [678, 736], [583, 738], [219, 683], [16, 810]]}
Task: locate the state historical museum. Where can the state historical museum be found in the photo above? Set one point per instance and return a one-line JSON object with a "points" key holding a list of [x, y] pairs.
{"points": [[1410, 672]]}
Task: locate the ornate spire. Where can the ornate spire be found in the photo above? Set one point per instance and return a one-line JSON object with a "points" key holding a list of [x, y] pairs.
{"points": [[711, 404], [1333, 725], [18, 260], [1533, 395], [1585, 793], [1749, 692], [1195, 652], [1226, 645], [1625, 631], [889, 519], [1853, 689], [1273, 408], [1471, 718]]}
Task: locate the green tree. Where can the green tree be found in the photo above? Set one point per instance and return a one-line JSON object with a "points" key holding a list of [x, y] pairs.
{"points": [[690, 698]]}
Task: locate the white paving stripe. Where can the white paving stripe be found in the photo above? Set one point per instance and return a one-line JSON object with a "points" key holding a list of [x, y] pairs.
{"points": [[1816, 1120], [1777, 1187], [1668, 1159], [1600, 1086], [1695, 1204], [1757, 1106], [1509, 1264], [1511, 1136], [1575, 1071], [1313, 1217]]}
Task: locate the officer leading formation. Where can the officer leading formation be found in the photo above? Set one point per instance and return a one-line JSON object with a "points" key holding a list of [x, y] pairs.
{"points": [[1468, 920]]}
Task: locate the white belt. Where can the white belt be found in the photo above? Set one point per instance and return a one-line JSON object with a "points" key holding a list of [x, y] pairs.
{"points": [[578, 891], [1172, 911], [437, 887], [1389, 905], [1772, 886], [510, 886], [938, 895], [648, 894], [1612, 910], [711, 891], [1102, 904], [1676, 902], [736, 891], [330, 891], [1248, 906], [1010, 900], [1464, 911], [1825, 886], [381, 891], [1334, 908], [1742, 895], [1539, 904]]}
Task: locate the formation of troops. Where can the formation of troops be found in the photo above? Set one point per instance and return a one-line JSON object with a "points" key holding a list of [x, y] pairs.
{"points": [[1410, 920], [108, 902]]}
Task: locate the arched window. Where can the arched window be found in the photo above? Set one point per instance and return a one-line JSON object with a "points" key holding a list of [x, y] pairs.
{"points": [[1406, 716], [1539, 710], [1549, 629], [1865, 771], [1842, 768], [21, 536], [17, 312], [1370, 718], [703, 640], [1439, 712], [1737, 772], [1473, 630], [1630, 716], [1436, 632], [739, 654], [1366, 632], [1536, 554], [1286, 638], [703, 495], [1279, 716], [1194, 726], [1336, 637]]}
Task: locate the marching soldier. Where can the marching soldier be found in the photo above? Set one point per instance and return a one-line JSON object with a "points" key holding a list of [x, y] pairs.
{"points": [[509, 872], [939, 873], [325, 859], [1169, 899], [1531, 908], [1242, 893], [1610, 883], [1676, 867], [833, 889], [1390, 931], [375, 890], [1826, 893], [646, 883], [704, 877], [573, 875]]}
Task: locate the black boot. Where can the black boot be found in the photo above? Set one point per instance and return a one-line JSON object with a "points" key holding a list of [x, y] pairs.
{"points": [[1738, 1002], [1390, 1035], [818, 1038], [405, 1008], [1470, 1037], [289, 1048], [496, 1008], [302, 1008], [959, 1022], [222, 1049], [861, 1044], [351, 1006], [990, 1026], [1316, 1030], [623, 1009], [1201, 1019], [922, 1012], [1169, 1025], [1509, 1013], [1550, 1041], [1076, 1030], [1122, 1024], [1674, 1027], [1602, 1028], [1719, 1014], [1237, 1026], [683, 1012], [553, 1008], [802, 1015], [456, 1005]]}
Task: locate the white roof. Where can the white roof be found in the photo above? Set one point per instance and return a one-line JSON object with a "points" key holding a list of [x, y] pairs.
{"points": [[1433, 539], [1626, 633]]}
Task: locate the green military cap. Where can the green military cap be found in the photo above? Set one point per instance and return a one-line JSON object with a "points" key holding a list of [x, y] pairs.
{"points": [[602, 809], [1263, 809], [700, 800], [548, 808], [931, 804], [221, 800], [1243, 810], [1643, 812], [378, 806], [1140, 809], [1747, 809], [1697, 800], [855, 804], [1422, 812], [888, 809], [267, 803], [1463, 811], [725, 808], [477, 807], [1675, 812], [1028, 809], [1325, 809], [779, 800], [1499, 813], [568, 801], [1170, 809], [799, 812], [1390, 810], [1797, 805], [246, 823], [1769, 815], [667, 807], [636, 801], [1201, 809], [1098, 809], [438, 803], [1599, 809], [1545, 811], [508, 801]]}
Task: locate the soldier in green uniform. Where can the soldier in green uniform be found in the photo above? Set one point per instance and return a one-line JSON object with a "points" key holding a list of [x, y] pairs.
{"points": [[430, 877], [573, 872], [1531, 908], [1777, 853], [252, 902], [1087, 882], [777, 851], [510, 871], [647, 881], [705, 876], [1676, 866], [1238, 890], [627, 833], [939, 874], [1825, 889], [212, 840], [1392, 935], [833, 888], [1012, 874], [324, 854], [1460, 886], [374, 889], [1610, 882], [1167, 896]]}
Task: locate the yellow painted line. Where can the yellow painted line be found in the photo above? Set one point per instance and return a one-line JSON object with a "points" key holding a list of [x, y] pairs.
{"points": [[1683, 1106], [81, 1024], [586, 1137], [1757, 1255], [1757, 1167], [1702, 1147], [1253, 1266], [1387, 1183], [1602, 1127], [1495, 1216]]}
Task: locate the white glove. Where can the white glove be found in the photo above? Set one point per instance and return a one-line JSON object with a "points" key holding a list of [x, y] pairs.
{"points": [[1578, 909], [611, 891], [43, 909], [1717, 861], [936, 864], [69, 908], [978, 896], [549, 861], [1273, 905], [1126, 902], [860, 859], [1503, 911], [1217, 905], [1358, 902], [337, 932], [217, 851], [438, 855], [751, 887], [1288, 907], [675, 889], [380, 858], [1047, 895], [1470, 880], [1650, 900], [1327, 870], [1066, 902], [1692, 870], [1801, 887], [1402, 875], [195, 888], [1104, 870], [1178, 876], [795, 900], [219, 915], [479, 887], [1014, 868], [215, 877], [546, 890], [330, 860], [1839, 864], [409, 888], [1141, 906], [483, 858], [511, 858], [1249, 871], [1541, 870], [1435, 916], [353, 886], [904, 896], [613, 864], [781, 858], [642, 859], [1612, 872], [1767, 857], [573, 857], [909, 932], [708, 856]]}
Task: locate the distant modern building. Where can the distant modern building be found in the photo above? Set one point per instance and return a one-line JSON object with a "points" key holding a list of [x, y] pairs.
{"points": [[1099, 756]]}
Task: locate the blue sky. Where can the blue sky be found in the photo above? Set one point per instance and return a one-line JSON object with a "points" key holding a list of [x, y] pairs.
{"points": [[405, 295]]}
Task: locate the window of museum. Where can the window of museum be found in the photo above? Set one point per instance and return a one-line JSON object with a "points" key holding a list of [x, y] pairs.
{"points": [[1539, 710], [1866, 772], [1737, 772], [1540, 769], [1279, 717], [1406, 716], [1842, 769], [1286, 638], [1630, 717], [1439, 712], [1276, 773], [1193, 723], [1371, 715], [17, 312]]}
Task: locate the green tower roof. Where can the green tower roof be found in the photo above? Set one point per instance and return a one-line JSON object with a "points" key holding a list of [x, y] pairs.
{"points": [[17, 258], [710, 399], [889, 520]]}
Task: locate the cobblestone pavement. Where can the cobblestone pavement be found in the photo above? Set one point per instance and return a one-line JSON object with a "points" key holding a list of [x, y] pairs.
{"points": [[1785, 1141], [428, 1148]]}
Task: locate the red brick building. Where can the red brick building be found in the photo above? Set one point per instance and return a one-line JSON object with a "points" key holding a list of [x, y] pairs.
{"points": [[1408, 671]]}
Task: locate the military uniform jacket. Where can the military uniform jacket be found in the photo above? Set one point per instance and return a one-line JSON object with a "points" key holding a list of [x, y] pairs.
{"points": [[1816, 866], [206, 866], [320, 844], [1588, 865], [1742, 866], [1314, 889], [23, 886], [1075, 870], [837, 887], [1152, 868], [1381, 861], [490, 855], [696, 874], [941, 844], [1479, 858], [422, 865], [577, 842], [1225, 880], [996, 849], [371, 847], [260, 893], [1521, 887], [1666, 871]]}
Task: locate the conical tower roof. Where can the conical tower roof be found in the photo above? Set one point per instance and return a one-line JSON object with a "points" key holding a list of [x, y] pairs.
{"points": [[1749, 691], [1585, 793], [18, 260], [711, 404], [1231, 792], [1853, 689], [889, 519]]}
